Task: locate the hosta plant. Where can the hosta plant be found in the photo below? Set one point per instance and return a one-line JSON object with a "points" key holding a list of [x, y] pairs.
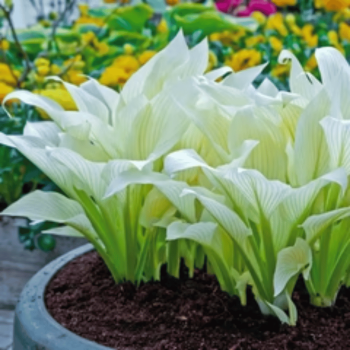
{"points": [[287, 212], [103, 145], [83, 151]]}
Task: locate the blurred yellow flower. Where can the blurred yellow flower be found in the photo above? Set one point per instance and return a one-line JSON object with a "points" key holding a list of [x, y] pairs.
{"points": [[4, 45], [254, 40], [114, 76], [55, 69], [4, 90], [318, 3], [212, 62], [228, 37], [146, 56], [311, 63], [75, 77], [43, 70], [129, 63], [336, 5], [88, 37], [334, 40], [75, 62], [341, 16], [90, 20], [162, 27], [41, 61], [244, 59], [291, 22], [259, 17], [59, 95], [7, 76], [275, 22], [308, 35], [102, 48], [84, 9], [290, 18], [109, 1], [276, 44], [128, 49], [120, 71], [282, 3], [281, 70], [344, 31]]}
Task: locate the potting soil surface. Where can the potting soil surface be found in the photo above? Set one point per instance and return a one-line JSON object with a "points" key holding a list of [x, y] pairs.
{"points": [[184, 314]]}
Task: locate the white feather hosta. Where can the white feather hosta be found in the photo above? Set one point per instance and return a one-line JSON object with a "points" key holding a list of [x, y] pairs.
{"points": [[110, 136], [290, 217], [255, 178]]}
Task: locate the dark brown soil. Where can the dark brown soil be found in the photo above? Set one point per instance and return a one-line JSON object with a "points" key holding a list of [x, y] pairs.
{"points": [[184, 314]]}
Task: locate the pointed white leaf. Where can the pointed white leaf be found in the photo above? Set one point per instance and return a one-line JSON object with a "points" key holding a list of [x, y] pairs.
{"points": [[64, 231], [316, 224], [311, 149], [290, 262], [48, 131], [242, 79], [224, 216], [337, 134], [85, 101], [204, 233]]}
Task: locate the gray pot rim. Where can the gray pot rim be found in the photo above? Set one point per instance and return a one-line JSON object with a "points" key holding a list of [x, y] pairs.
{"points": [[34, 327]]}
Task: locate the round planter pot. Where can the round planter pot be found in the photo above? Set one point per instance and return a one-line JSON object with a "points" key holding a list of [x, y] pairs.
{"points": [[34, 328]]}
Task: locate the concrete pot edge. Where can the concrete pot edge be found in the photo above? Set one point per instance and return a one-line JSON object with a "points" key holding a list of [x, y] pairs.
{"points": [[34, 327]]}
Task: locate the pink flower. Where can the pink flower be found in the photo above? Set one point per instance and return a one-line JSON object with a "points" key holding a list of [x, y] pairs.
{"points": [[227, 5], [263, 6]]}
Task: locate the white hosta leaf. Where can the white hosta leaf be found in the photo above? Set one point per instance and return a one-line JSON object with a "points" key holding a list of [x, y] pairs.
{"points": [[218, 73], [224, 216], [252, 123], [198, 60], [297, 205], [189, 159], [242, 79], [182, 160], [240, 155], [204, 233], [172, 190], [337, 133], [311, 149], [34, 149], [330, 63], [133, 177], [161, 68], [290, 116], [64, 231], [279, 313], [85, 101], [335, 74], [47, 131], [156, 209], [49, 206], [156, 128], [316, 224], [290, 262], [88, 174], [199, 106], [301, 198], [301, 82], [268, 88], [264, 195], [85, 148], [33, 99], [108, 96]]}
